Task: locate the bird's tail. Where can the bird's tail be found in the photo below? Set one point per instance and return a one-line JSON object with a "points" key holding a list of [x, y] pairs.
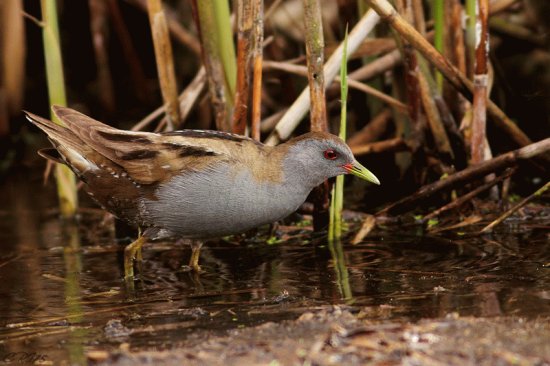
{"points": [[69, 148]]}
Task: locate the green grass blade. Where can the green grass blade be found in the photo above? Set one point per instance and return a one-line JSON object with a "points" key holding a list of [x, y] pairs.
{"points": [[337, 204]]}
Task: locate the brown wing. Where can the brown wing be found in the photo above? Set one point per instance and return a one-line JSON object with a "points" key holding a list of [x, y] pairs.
{"points": [[148, 157]]}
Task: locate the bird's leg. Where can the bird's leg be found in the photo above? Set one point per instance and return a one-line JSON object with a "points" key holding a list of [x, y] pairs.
{"points": [[131, 252], [195, 254], [139, 256]]}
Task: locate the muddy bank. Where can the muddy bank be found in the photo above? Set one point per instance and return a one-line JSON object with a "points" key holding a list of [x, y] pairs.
{"points": [[336, 336]]}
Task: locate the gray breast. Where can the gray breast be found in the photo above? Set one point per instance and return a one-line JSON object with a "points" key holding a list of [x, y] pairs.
{"points": [[221, 201]]}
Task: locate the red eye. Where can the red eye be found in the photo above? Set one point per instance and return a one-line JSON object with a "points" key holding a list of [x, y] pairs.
{"points": [[330, 154]]}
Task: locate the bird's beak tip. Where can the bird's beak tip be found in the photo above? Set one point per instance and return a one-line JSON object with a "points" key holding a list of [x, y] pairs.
{"points": [[360, 171]]}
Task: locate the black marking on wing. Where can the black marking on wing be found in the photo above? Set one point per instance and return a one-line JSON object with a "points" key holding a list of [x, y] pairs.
{"points": [[139, 154], [207, 134], [171, 146], [195, 151], [121, 137]]}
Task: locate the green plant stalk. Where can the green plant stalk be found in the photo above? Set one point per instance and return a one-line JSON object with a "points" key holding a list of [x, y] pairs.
{"points": [[340, 269], [72, 256], [226, 45], [65, 179], [331, 215], [337, 203], [439, 36], [471, 34]]}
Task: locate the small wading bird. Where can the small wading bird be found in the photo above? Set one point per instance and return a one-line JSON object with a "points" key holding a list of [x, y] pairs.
{"points": [[192, 184]]}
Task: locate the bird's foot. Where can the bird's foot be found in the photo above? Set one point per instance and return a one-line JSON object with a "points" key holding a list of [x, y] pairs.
{"points": [[194, 260], [191, 268], [132, 252]]}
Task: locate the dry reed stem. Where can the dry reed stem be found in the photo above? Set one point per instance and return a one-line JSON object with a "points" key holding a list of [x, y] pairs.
{"points": [[315, 45], [180, 34], [377, 67], [165, 61], [497, 6], [455, 48], [220, 92], [257, 69], [453, 75], [245, 40], [433, 116], [479, 121], [99, 30], [468, 196], [414, 125], [187, 100], [191, 94], [269, 123], [418, 16], [368, 225], [12, 61], [299, 108], [369, 47], [302, 71]]}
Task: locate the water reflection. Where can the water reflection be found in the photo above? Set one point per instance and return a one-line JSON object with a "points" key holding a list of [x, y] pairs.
{"points": [[62, 293]]}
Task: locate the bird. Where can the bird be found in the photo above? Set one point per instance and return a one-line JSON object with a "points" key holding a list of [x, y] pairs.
{"points": [[190, 184]]}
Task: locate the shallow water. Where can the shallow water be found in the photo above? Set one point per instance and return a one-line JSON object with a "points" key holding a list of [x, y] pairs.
{"points": [[62, 293]]}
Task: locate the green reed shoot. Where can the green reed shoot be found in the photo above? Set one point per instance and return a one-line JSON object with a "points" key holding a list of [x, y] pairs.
{"points": [[66, 182], [337, 203]]}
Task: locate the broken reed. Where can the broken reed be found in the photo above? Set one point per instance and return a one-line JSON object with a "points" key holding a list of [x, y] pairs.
{"points": [[65, 179], [165, 62], [213, 22]]}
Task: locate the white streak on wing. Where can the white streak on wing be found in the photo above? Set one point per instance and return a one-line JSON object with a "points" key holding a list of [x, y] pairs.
{"points": [[78, 161]]}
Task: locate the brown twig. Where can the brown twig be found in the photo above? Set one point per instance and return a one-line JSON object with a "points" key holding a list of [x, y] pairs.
{"points": [[479, 139], [391, 145], [368, 225], [468, 196], [522, 203], [489, 166], [372, 130]]}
